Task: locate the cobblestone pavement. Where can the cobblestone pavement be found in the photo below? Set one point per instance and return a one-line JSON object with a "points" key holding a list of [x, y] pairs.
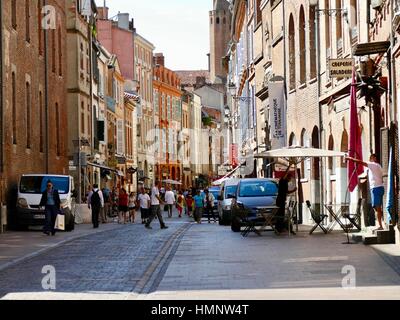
{"points": [[207, 261], [129, 259]]}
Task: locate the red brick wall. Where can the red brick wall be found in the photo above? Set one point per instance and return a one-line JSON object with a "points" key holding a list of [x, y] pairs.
{"points": [[24, 59]]}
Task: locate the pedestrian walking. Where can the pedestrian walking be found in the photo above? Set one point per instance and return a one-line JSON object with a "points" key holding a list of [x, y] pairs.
{"points": [[189, 204], [155, 207], [169, 200], [209, 205], [107, 203], [283, 191], [132, 207], [199, 206], [95, 203], [144, 204], [180, 203], [375, 178], [51, 202], [123, 201]]}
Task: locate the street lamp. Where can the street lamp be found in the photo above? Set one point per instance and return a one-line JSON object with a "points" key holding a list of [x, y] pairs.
{"points": [[232, 91]]}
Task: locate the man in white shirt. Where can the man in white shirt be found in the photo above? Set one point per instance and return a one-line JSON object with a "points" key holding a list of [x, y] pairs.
{"points": [[96, 203], [169, 200], [375, 177], [155, 207], [144, 203]]}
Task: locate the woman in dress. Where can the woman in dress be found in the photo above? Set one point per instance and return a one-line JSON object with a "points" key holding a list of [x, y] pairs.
{"points": [[123, 201]]}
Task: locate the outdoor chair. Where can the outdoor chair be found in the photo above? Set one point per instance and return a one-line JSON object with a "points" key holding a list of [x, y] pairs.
{"points": [[355, 219], [318, 219], [250, 224]]}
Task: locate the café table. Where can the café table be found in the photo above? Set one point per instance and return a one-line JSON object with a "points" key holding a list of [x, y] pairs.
{"points": [[337, 211]]}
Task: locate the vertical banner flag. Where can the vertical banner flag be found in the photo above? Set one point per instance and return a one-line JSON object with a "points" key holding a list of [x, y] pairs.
{"points": [[277, 114], [355, 146]]}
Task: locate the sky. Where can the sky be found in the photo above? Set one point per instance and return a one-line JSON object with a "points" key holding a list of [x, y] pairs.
{"points": [[177, 28]]}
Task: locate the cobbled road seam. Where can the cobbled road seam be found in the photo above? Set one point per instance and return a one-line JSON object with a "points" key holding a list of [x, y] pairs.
{"points": [[155, 272], [39, 252]]}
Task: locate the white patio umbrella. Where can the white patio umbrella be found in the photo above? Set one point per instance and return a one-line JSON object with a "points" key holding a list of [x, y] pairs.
{"points": [[173, 182], [296, 154]]}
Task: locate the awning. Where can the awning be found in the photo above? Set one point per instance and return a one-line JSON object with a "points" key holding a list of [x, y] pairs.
{"points": [[101, 166], [364, 49], [132, 96]]}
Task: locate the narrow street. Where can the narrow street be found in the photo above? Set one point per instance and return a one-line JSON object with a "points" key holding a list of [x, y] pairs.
{"points": [[207, 261]]}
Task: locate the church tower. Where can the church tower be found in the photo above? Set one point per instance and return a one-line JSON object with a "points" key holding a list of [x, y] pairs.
{"points": [[220, 32]]}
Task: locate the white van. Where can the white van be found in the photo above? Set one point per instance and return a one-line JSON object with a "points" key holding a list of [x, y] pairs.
{"points": [[30, 189]]}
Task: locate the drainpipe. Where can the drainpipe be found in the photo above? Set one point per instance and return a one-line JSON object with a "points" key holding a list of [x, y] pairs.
{"points": [[320, 120], [1, 103], [46, 96]]}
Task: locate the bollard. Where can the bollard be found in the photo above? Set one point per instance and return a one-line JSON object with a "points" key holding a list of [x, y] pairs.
{"points": [[3, 218]]}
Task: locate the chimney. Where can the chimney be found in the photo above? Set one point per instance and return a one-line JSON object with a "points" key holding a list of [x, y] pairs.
{"points": [[103, 13], [123, 21], [159, 59], [200, 82]]}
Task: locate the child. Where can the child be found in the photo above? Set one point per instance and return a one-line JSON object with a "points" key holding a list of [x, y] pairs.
{"points": [[180, 204]]}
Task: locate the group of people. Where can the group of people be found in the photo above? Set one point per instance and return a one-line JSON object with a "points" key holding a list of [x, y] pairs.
{"points": [[149, 203]]}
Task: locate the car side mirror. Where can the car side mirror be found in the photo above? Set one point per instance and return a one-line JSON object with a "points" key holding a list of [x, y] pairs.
{"points": [[74, 194]]}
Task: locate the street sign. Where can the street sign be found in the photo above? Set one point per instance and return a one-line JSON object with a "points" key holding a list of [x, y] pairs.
{"points": [[340, 68], [222, 171]]}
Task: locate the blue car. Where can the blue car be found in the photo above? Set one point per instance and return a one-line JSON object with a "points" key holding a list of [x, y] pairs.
{"points": [[253, 194]]}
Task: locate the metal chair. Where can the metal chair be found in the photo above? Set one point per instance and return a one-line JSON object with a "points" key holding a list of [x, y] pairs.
{"points": [[318, 219]]}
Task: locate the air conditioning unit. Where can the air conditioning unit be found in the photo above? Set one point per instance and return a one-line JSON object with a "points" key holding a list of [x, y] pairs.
{"points": [[376, 4]]}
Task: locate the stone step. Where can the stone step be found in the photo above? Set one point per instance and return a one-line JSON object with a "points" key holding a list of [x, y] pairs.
{"points": [[386, 236], [370, 239]]}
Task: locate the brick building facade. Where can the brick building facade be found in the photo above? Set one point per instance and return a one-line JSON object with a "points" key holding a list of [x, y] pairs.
{"points": [[34, 78]]}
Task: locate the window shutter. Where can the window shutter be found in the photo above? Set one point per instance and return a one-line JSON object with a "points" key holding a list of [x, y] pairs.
{"points": [[120, 137]]}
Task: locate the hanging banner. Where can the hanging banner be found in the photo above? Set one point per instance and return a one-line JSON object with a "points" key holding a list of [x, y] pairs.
{"points": [[277, 114]]}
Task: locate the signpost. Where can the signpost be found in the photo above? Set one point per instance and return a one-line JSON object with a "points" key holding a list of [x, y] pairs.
{"points": [[340, 68]]}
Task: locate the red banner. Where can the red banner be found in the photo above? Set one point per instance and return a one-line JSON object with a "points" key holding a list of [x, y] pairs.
{"points": [[233, 155]]}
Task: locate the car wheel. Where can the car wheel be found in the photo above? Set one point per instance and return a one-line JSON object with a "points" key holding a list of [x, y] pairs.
{"points": [[235, 225]]}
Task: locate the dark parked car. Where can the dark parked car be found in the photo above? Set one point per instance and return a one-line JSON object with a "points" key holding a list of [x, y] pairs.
{"points": [[251, 195]]}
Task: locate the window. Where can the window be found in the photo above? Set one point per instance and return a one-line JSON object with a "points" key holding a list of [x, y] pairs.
{"points": [[82, 118], [41, 122], [28, 114], [82, 58], [292, 57], [258, 12], [60, 55], [217, 20], [58, 142], [313, 48], [53, 51], [28, 20], [40, 31], [327, 27], [14, 14], [302, 40], [339, 28], [14, 108]]}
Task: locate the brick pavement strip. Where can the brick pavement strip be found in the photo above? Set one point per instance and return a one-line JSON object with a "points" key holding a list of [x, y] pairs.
{"points": [[16, 247]]}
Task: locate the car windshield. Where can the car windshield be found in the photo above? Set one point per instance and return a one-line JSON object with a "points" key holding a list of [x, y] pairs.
{"points": [[230, 190], [258, 189], [37, 184]]}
